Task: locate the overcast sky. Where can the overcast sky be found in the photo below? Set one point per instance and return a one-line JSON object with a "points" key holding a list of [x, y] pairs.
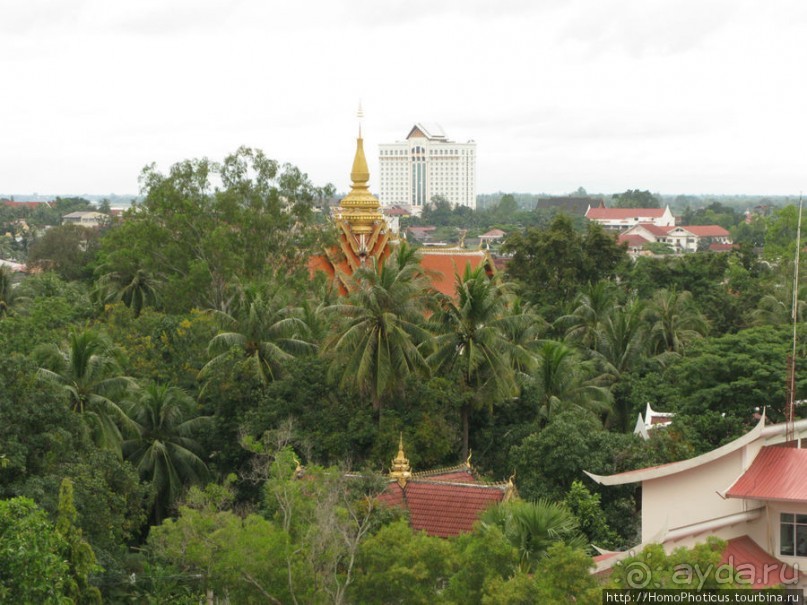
{"points": [[675, 96]]}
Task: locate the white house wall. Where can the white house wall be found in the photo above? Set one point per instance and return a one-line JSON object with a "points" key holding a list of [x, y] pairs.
{"points": [[664, 508]]}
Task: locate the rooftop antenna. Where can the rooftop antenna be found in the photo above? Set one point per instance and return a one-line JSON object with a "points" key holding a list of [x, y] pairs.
{"points": [[790, 428]]}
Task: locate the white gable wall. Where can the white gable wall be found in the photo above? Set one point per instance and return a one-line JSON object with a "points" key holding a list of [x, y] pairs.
{"points": [[664, 508]]}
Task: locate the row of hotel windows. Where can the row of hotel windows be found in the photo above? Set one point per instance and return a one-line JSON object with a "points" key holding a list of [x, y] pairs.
{"points": [[449, 152]]}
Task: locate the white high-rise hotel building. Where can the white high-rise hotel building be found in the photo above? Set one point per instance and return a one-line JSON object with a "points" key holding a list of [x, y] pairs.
{"points": [[427, 164]]}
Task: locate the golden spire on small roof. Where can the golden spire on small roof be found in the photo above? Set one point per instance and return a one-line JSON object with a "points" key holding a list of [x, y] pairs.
{"points": [[360, 208], [400, 465]]}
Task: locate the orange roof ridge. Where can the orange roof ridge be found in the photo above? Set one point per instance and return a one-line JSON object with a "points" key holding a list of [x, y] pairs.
{"points": [[442, 470], [499, 485]]}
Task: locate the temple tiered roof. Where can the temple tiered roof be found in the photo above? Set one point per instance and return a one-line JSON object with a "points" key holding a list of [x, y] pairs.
{"points": [[442, 502]]}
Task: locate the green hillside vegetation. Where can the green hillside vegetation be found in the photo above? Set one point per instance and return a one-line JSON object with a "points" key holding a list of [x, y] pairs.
{"points": [[164, 386]]}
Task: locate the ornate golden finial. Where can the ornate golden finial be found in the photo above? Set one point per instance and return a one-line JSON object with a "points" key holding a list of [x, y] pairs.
{"points": [[400, 465], [360, 208], [468, 459]]}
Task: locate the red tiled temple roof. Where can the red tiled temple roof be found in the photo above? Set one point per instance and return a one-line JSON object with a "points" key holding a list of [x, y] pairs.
{"points": [[777, 473], [442, 265], [443, 508], [756, 566]]}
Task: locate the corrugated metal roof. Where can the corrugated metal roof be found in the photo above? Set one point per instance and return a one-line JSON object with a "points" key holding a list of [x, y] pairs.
{"points": [[777, 473], [756, 566]]}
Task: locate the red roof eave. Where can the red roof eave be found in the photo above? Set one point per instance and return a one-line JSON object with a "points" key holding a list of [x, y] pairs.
{"points": [[776, 474]]}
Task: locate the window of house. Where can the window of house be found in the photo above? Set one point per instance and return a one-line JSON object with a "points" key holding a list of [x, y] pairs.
{"points": [[793, 535]]}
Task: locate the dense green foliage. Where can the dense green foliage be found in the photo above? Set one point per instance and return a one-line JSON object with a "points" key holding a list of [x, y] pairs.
{"points": [[185, 413]]}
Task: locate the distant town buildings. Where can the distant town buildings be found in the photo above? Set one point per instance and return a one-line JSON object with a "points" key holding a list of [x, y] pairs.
{"points": [[425, 165], [624, 218], [640, 228], [85, 218]]}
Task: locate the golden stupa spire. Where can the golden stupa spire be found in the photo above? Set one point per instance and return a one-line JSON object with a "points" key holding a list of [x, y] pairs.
{"points": [[360, 208], [400, 465]]}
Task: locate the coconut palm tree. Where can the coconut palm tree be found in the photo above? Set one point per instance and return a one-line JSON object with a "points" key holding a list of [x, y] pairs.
{"points": [[378, 328], [163, 450], [675, 322], [532, 527], [592, 308], [621, 341], [563, 378], [776, 308], [265, 332], [136, 289], [475, 340], [88, 368]]}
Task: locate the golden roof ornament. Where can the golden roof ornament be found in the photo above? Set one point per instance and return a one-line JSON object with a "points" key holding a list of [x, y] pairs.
{"points": [[468, 459], [360, 208], [401, 471]]}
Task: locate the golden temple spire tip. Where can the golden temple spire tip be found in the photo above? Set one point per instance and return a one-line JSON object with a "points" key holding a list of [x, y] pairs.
{"points": [[400, 465]]}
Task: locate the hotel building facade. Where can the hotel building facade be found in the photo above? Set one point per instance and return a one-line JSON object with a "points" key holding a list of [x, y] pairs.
{"points": [[426, 165]]}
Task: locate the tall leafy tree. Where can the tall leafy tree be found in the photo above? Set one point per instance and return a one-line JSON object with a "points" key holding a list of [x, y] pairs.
{"points": [[379, 327], [552, 263], [80, 556], [203, 222], [89, 371], [163, 450], [31, 555], [474, 341]]}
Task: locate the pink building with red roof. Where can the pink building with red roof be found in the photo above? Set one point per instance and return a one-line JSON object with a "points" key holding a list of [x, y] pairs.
{"points": [[751, 492]]}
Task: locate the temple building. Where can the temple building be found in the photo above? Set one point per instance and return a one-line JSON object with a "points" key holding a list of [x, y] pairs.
{"points": [[751, 492], [364, 234], [442, 502]]}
